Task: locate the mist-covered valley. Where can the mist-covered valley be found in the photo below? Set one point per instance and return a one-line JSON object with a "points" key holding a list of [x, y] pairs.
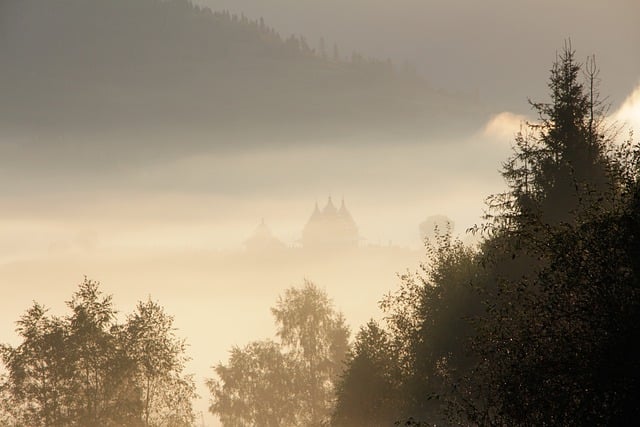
{"points": [[233, 161]]}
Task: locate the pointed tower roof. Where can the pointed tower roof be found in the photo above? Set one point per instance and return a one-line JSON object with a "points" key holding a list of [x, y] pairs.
{"points": [[330, 208], [314, 219], [316, 212], [344, 212], [343, 207]]}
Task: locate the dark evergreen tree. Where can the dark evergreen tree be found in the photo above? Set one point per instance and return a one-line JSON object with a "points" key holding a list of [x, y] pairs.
{"points": [[416, 368], [560, 168], [369, 391], [562, 287], [540, 326]]}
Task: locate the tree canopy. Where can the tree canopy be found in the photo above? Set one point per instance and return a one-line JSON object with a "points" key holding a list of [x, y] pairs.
{"points": [[85, 369], [290, 382], [535, 326]]}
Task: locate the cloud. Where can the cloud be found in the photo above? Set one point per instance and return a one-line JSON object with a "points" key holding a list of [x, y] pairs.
{"points": [[503, 126], [629, 111]]}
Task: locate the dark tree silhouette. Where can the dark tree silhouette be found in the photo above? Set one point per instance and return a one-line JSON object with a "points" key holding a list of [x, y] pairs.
{"points": [[560, 168], [539, 326], [417, 362], [562, 266], [368, 392]]}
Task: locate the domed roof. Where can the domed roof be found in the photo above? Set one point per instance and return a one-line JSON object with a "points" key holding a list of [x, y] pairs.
{"points": [[263, 239]]}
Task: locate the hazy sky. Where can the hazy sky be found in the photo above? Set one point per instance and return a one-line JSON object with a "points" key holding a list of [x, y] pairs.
{"points": [[172, 224]]}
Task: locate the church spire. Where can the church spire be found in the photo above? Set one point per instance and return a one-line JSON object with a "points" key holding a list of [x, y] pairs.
{"points": [[316, 213], [330, 228], [345, 214], [330, 208]]}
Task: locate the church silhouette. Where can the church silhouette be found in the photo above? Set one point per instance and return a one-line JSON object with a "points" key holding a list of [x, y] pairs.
{"points": [[329, 228]]}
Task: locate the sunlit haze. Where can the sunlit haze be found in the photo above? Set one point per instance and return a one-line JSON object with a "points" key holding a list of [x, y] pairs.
{"points": [[147, 157]]}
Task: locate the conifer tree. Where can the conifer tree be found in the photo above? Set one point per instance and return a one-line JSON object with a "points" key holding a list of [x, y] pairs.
{"points": [[559, 170]]}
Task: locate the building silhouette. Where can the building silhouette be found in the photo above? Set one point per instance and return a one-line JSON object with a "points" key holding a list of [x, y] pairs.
{"points": [[330, 228], [263, 239]]}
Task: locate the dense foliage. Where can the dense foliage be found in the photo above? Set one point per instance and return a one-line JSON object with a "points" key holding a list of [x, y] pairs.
{"points": [[85, 369], [290, 382], [539, 324]]}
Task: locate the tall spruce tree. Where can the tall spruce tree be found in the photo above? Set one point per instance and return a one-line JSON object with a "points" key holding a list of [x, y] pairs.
{"points": [[562, 271], [559, 171]]}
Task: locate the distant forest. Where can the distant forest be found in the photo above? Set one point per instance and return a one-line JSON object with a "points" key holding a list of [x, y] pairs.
{"points": [[146, 65]]}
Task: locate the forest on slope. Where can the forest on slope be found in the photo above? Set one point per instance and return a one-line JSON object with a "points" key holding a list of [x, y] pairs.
{"points": [[148, 65]]}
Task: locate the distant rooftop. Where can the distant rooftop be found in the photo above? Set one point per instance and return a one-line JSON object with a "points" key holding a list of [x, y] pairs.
{"points": [[330, 228]]}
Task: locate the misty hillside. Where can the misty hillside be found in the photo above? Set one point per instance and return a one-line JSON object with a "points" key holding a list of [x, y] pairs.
{"points": [[101, 66]]}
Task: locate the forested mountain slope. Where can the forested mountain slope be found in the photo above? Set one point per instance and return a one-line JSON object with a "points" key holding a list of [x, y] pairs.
{"points": [[119, 65]]}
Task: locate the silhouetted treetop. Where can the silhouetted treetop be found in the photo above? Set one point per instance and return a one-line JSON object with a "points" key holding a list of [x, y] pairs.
{"points": [[559, 169]]}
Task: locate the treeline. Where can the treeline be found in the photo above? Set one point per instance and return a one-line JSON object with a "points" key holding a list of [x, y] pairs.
{"points": [[85, 369], [125, 65]]}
